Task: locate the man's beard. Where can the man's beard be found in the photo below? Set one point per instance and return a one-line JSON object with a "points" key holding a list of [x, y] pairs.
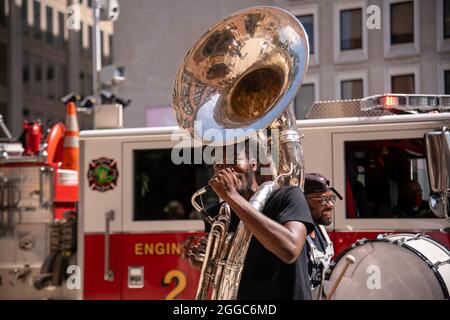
{"points": [[324, 221], [246, 189]]}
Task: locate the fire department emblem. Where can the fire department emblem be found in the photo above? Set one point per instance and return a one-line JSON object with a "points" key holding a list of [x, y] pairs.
{"points": [[102, 174]]}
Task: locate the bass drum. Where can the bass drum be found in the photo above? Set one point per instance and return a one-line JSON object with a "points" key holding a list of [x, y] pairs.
{"points": [[397, 266]]}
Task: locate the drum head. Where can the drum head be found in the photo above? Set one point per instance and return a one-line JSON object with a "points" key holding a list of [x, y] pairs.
{"points": [[383, 271]]}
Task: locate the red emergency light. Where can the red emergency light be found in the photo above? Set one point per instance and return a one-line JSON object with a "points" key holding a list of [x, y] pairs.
{"points": [[389, 101]]}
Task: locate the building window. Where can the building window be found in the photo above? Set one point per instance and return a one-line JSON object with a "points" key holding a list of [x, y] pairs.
{"points": [[61, 28], [2, 13], [446, 19], [309, 15], [38, 75], [38, 83], [82, 83], [351, 29], [88, 84], [89, 3], [304, 100], [402, 22], [90, 42], [50, 73], [85, 83], [352, 89], [4, 112], [25, 16], [103, 48], [25, 74], [64, 80], [350, 34], [308, 23], [404, 84], [3, 64], [24, 10], [102, 43], [447, 82], [111, 51], [50, 81], [81, 35], [49, 33], [37, 19]]}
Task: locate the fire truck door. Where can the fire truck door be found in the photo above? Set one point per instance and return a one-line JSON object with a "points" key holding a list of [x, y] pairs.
{"points": [[100, 212], [158, 217]]}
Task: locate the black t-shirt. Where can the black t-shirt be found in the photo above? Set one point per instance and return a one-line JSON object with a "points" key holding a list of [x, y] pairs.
{"points": [[265, 276], [316, 269]]}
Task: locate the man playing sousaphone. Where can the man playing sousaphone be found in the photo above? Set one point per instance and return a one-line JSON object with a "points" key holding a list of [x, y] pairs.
{"points": [[276, 266], [237, 82]]}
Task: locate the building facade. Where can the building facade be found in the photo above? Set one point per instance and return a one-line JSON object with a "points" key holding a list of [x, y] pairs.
{"points": [[358, 48], [44, 56], [363, 47]]}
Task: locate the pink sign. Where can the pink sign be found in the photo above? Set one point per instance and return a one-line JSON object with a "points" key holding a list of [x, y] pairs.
{"points": [[160, 117]]}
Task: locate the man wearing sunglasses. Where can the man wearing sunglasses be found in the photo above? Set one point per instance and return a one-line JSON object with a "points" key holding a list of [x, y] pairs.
{"points": [[321, 198]]}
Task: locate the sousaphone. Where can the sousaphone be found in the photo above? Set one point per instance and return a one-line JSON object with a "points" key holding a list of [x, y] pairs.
{"points": [[239, 78]]}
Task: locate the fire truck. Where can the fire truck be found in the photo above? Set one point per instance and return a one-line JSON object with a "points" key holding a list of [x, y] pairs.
{"points": [[134, 210], [38, 200]]}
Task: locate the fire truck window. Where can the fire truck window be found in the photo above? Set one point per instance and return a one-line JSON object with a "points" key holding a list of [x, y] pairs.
{"points": [[163, 190], [387, 179]]}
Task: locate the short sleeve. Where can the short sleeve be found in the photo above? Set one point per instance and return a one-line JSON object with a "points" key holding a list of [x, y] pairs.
{"points": [[293, 207]]}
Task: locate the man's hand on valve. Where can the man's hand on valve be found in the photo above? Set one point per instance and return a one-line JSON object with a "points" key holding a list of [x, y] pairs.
{"points": [[225, 183]]}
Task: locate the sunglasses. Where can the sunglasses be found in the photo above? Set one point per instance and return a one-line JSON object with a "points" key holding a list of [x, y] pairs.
{"points": [[324, 200]]}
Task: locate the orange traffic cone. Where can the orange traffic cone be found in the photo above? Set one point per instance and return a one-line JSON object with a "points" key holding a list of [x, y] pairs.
{"points": [[71, 148]]}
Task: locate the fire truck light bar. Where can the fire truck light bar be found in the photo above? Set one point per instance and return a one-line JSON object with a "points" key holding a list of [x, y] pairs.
{"points": [[444, 102], [423, 101], [412, 102]]}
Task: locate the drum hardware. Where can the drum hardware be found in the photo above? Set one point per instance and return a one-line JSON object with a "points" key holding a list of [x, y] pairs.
{"points": [[399, 241], [417, 236], [349, 259], [360, 242], [440, 263]]}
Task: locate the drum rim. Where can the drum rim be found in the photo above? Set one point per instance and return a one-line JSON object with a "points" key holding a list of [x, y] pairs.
{"points": [[363, 241], [424, 236]]}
